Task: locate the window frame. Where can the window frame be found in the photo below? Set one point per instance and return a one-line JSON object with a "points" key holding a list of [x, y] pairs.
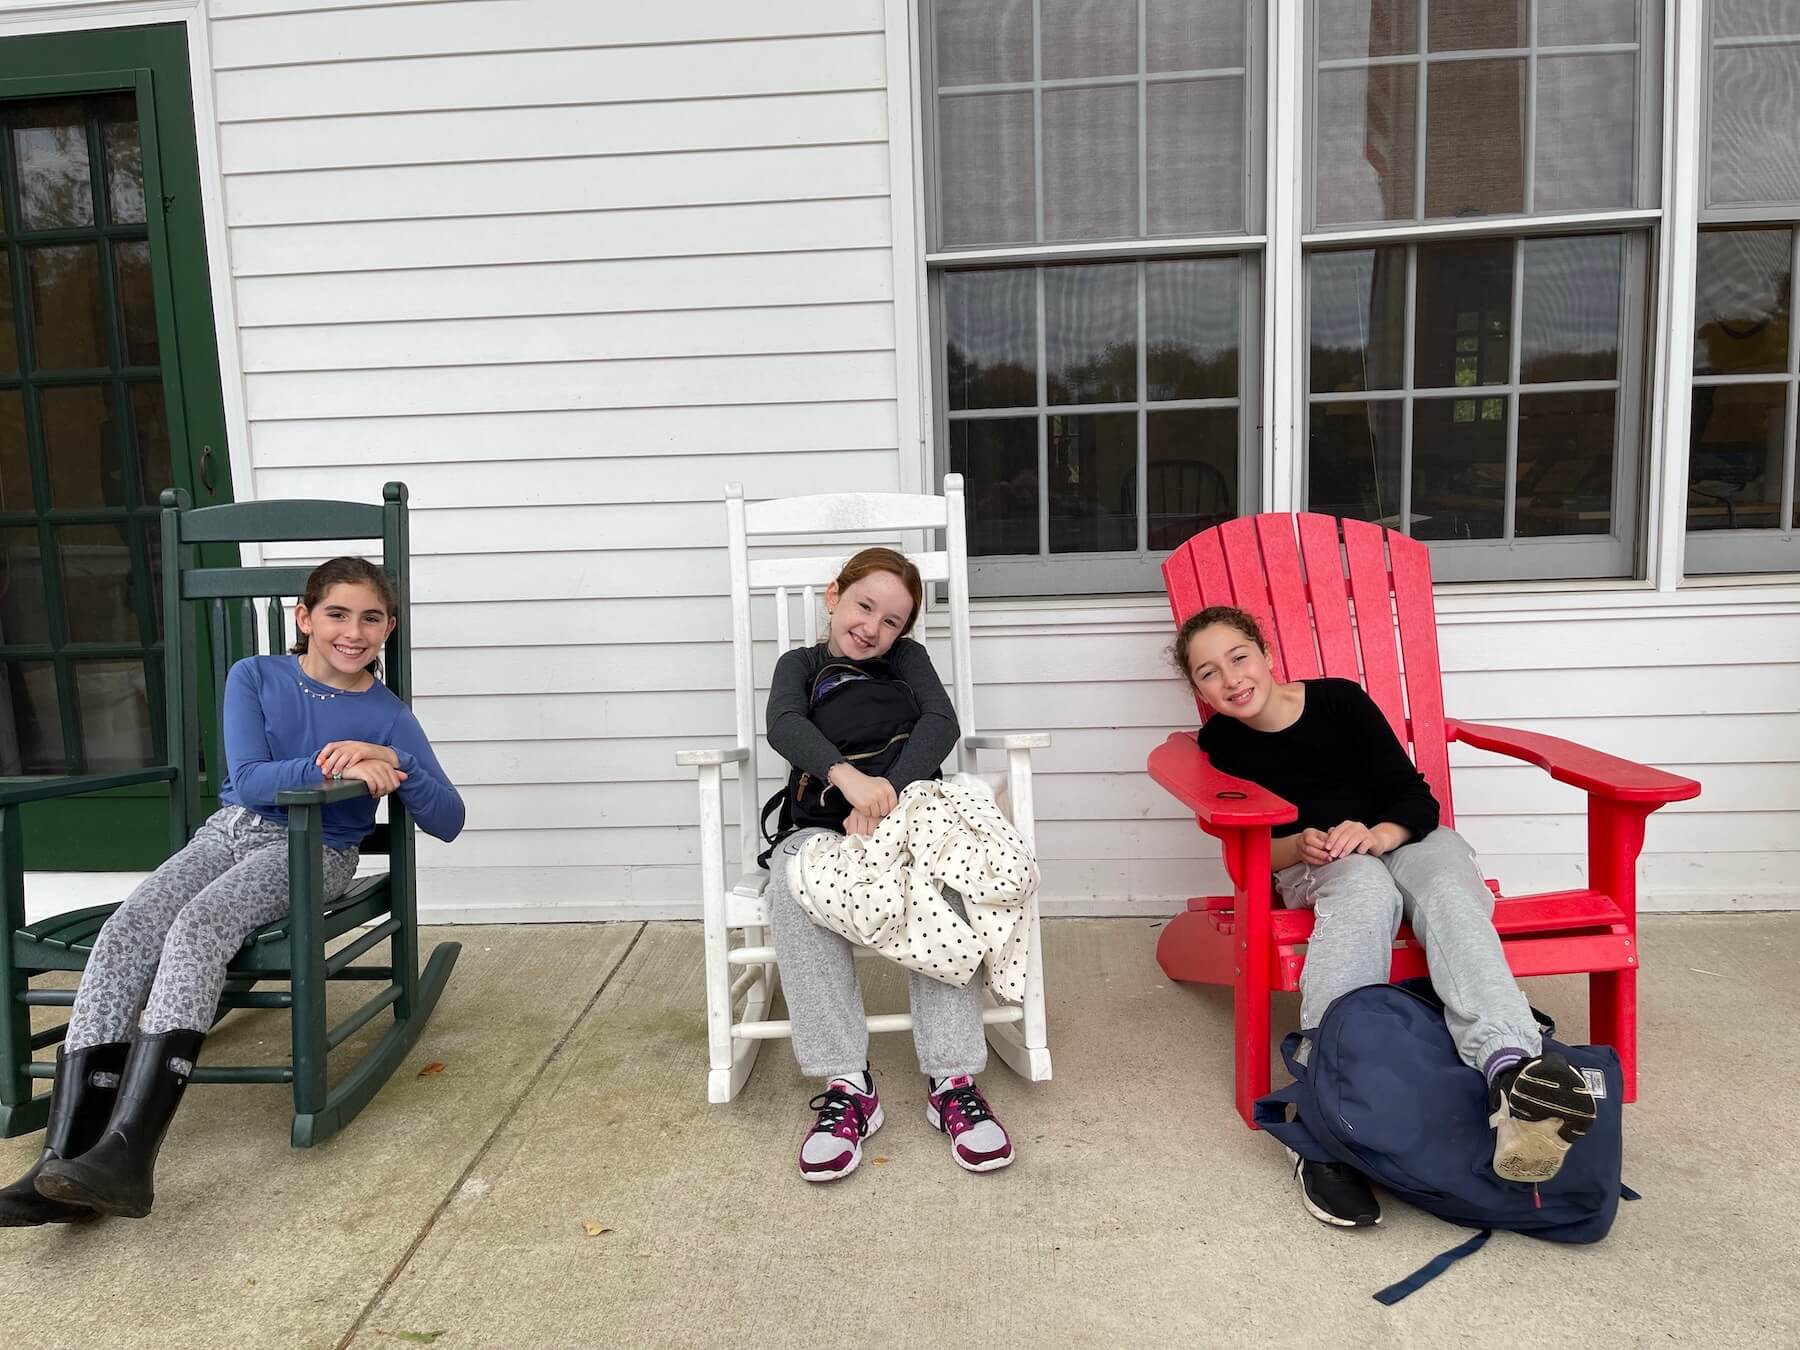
{"points": [[1708, 553], [1049, 575]]}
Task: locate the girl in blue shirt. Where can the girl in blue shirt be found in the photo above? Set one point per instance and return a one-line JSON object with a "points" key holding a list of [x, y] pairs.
{"points": [[158, 965]]}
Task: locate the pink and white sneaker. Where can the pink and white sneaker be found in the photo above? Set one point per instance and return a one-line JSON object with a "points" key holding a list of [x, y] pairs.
{"points": [[978, 1141], [849, 1113]]}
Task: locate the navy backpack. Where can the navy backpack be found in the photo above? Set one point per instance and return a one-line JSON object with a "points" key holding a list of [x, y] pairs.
{"points": [[1385, 1092]]}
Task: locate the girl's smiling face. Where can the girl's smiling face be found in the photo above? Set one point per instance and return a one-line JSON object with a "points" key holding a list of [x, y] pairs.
{"points": [[867, 615], [1230, 671], [344, 632]]}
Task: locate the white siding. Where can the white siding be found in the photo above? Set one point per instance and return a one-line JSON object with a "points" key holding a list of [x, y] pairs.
{"points": [[568, 268]]}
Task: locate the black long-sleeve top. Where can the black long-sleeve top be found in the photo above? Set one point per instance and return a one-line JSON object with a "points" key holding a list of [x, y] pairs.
{"points": [[1339, 761], [803, 745]]}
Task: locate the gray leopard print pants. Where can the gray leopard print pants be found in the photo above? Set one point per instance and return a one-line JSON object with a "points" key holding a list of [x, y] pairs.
{"points": [[173, 939]]}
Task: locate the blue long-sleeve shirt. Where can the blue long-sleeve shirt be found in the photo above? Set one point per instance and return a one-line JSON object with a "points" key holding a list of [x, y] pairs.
{"points": [[276, 722]]}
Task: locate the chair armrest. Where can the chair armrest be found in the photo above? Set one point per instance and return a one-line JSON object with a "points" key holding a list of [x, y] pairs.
{"points": [[693, 758], [1014, 740], [324, 794], [1217, 799], [1620, 780], [48, 789]]}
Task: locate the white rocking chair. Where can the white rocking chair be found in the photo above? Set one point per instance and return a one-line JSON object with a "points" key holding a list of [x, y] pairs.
{"points": [[740, 962]]}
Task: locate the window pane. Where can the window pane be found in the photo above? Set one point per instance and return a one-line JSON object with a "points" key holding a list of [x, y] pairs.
{"points": [[1475, 138], [1566, 463], [96, 582], [115, 715], [1744, 18], [1739, 447], [1090, 163], [31, 739], [82, 446], [983, 41], [1586, 116], [1088, 37], [1192, 475], [1358, 323], [1350, 28], [984, 143], [1090, 334], [137, 301], [151, 430], [1564, 23], [24, 609], [1093, 483], [1459, 468], [1366, 145], [1194, 34], [1755, 108], [1477, 25], [9, 336], [124, 160], [1462, 333], [1744, 279], [1196, 156], [50, 142], [1570, 321], [990, 339], [68, 324], [1353, 460], [15, 464], [1193, 323], [997, 456]]}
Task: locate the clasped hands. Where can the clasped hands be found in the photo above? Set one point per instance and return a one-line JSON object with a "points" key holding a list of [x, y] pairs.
{"points": [[870, 798], [1319, 847], [377, 766]]}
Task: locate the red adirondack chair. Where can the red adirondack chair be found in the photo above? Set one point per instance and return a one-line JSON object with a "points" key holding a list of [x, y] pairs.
{"points": [[1289, 571]]}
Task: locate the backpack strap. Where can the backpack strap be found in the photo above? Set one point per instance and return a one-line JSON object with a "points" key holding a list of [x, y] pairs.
{"points": [[1271, 1116], [1433, 1268], [784, 825], [1290, 1051]]}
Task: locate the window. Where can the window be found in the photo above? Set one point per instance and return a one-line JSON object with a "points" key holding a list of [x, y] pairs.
{"points": [[1741, 514], [1476, 273], [1093, 269]]}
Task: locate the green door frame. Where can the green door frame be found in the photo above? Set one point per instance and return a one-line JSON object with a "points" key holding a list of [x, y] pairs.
{"points": [[127, 829]]}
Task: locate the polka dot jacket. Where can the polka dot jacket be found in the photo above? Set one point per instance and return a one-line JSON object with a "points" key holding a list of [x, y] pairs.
{"points": [[887, 891]]}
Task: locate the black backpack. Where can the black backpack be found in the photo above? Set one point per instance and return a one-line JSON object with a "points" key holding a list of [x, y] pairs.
{"points": [[867, 712]]}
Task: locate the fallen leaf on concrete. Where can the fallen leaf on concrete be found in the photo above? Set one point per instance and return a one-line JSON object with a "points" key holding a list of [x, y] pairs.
{"points": [[432, 1069], [878, 1161], [594, 1229], [416, 1337]]}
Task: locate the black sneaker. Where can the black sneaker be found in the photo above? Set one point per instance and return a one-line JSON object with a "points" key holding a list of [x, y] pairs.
{"points": [[1336, 1194], [1539, 1110]]}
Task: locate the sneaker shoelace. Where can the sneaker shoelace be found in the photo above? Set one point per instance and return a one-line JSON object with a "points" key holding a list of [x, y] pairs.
{"points": [[833, 1105], [962, 1107]]}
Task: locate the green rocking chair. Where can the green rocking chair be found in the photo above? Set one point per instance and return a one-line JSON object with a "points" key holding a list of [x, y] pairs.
{"points": [[214, 610]]}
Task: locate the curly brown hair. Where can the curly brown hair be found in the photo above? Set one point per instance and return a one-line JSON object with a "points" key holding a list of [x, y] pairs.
{"points": [[1229, 615]]}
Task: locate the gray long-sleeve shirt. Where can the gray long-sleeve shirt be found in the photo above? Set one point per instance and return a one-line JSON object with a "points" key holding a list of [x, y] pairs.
{"points": [[800, 743]]}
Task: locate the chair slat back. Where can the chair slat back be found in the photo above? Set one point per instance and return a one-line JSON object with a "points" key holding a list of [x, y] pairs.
{"points": [[788, 581], [1342, 598], [216, 615]]}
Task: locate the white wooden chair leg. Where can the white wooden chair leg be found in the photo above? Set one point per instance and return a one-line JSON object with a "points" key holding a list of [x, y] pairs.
{"points": [[723, 1078], [1025, 1045]]}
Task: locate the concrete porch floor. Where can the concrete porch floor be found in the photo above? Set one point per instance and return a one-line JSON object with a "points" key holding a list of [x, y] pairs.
{"points": [[1140, 1212]]}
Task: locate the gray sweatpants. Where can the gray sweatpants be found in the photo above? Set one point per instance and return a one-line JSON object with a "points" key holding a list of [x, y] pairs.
{"points": [[1436, 884], [166, 948], [824, 999]]}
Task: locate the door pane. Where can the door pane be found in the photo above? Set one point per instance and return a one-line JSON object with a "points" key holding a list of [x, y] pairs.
{"points": [[124, 160], [1459, 468], [115, 715], [15, 463], [83, 445], [1741, 296], [67, 320], [9, 337], [1565, 463], [1475, 138], [1090, 334], [998, 458], [24, 606], [137, 301], [1192, 473], [151, 430], [990, 339], [1093, 482], [51, 151], [1354, 460], [31, 739], [1739, 448], [96, 582]]}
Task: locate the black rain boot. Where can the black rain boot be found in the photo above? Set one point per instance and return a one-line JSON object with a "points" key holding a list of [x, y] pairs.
{"points": [[116, 1175], [79, 1110]]}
